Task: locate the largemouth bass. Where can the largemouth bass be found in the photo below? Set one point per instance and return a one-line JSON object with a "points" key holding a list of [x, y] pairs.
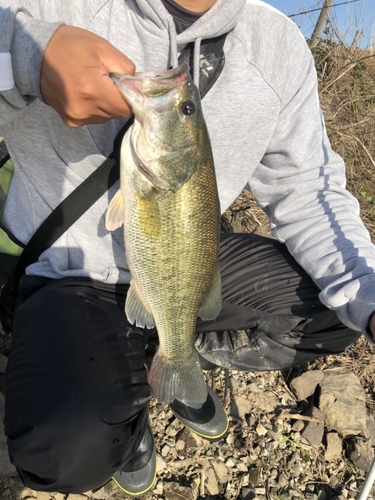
{"points": [[169, 205]]}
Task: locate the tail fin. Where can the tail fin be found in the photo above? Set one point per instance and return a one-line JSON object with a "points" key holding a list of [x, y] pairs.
{"points": [[184, 382]]}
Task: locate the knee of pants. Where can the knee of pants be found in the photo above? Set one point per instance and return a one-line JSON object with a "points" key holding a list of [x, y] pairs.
{"points": [[75, 447]]}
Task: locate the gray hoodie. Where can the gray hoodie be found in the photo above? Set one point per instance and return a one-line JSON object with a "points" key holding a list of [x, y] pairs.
{"points": [[264, 120]]}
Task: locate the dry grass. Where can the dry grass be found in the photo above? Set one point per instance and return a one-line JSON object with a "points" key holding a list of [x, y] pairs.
{"points": [[347, 94]]}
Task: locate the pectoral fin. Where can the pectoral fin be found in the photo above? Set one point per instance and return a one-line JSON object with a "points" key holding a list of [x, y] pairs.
{"points": [[116, 212], [136, 312], [212, 305]]}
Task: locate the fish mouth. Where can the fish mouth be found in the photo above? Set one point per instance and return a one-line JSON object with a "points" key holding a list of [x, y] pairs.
{"points": [[151, 83]]}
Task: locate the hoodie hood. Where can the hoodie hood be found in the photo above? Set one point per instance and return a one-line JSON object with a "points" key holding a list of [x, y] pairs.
{"points": [[220, 19]]}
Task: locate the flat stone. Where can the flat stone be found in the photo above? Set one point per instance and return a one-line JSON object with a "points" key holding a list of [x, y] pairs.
{"points": [[222, 472], [342, 400], [43, 495], [210, 481], [305, 385], [61, 496], [334, 446], [370, 428], [27, 493], [314, 431]]}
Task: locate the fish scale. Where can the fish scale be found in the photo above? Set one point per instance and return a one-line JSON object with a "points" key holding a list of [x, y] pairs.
{"points": [[171, 218]]}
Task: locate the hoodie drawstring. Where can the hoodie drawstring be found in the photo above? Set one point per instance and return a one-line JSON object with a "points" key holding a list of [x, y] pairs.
{"points": [[172, 42], [197, 62], [173, 50]]}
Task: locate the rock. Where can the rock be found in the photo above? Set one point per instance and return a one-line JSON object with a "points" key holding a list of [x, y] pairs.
{"points": [[360, 452], [247, 493], [42, 495], [6, 468], [165, 451], [370, 429], [282, 481], [342, 400], [98, 495], [314, 431], [174, 491], [241, 406], [311, 496], [61, 496], [210, 481], [334, 446], [253, 387], [160, 463], [298, 425], [27, 493], [305, 385], [261, 430], [231, 462], [266, 401], [192, 441], [222, 472]]}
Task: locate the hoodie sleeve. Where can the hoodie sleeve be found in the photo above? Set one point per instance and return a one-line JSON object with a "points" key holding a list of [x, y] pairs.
{"points": [[300, 183], [23, 39]]}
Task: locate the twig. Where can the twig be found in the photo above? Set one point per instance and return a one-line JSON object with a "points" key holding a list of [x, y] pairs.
{"points": [[365, 149], [298, 416]]}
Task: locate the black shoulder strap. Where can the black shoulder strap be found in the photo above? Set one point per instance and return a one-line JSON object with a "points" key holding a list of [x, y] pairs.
{"points": [[4, 160], [67, 213]]}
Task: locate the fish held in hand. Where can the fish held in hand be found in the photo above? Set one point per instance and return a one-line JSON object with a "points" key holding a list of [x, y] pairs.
{"points": [[169, 205]]}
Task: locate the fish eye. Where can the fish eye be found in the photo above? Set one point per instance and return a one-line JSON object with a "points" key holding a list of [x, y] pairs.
{"points": [[188, 108]]}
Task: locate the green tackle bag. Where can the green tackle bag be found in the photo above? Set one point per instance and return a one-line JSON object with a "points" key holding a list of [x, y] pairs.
{"points": [[10, 247]]}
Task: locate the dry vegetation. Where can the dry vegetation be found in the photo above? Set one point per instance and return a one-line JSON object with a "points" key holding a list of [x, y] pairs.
{"points": [[347, 93]]}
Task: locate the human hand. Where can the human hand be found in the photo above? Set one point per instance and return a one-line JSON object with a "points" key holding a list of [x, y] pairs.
{"points": [[371, 325], [75, 77]]}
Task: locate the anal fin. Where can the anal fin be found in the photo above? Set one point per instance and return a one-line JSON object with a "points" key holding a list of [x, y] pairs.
{"points": [[136, 311]]}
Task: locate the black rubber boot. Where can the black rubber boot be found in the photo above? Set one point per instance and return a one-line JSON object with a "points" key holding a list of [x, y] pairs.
{"points": [[138, 475], [209, 421]]}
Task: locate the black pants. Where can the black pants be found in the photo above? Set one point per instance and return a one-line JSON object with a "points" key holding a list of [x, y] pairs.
{"points": [[76, 390]]}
